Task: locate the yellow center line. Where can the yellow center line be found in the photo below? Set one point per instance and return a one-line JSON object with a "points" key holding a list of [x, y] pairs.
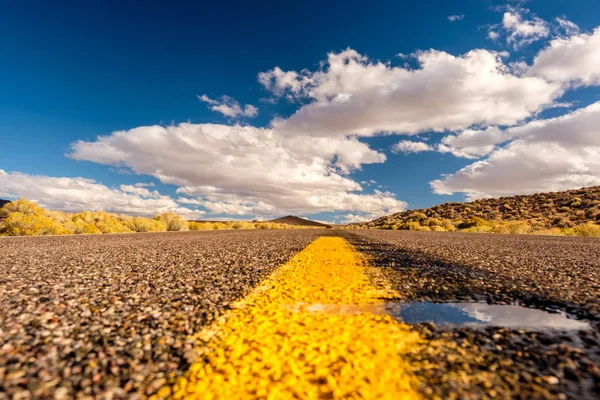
{"points": [[310, 331]]}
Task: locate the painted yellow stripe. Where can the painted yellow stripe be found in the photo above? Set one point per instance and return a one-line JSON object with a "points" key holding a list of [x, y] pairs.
{"points": [[311, 331]]}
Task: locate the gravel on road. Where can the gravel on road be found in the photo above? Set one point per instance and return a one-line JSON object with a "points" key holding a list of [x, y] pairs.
{"points": [[110, 315]]}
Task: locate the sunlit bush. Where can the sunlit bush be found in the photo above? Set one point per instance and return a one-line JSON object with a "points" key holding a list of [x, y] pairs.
{"points": [[22, 206], [551, 231], [173, 221], [105, 222], [587, 229], [18, 224], [140, 224], [218, 226], [242, 225], [200, 226]]}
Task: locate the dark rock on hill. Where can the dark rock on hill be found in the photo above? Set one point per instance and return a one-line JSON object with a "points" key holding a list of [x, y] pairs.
{"points": [[3, 202], [293, 220]]}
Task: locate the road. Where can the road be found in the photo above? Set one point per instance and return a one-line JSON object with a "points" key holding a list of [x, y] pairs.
{"points": [[114, 315]]}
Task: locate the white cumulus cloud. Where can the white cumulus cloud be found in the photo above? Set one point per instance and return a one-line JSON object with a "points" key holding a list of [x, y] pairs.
{"points": [[79, 194], [575, 59], [242, 169], [353, 95], [544, 155], [408, 146], [229, 107], [522, 31]]}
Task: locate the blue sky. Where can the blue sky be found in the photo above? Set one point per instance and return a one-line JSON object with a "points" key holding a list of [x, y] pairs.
{"points": [[310, 142]]}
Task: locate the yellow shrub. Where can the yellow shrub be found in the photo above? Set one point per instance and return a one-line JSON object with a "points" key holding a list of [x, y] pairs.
{"points": [[568, 231], [22, 206], [103, 221], [587, 229], [519, 228], [219, 226], [140, 224], [448, 225], [18, 223], [80, 227], [173, 221], [200, 226], [480, 229], [242, 225], [551, 231]]}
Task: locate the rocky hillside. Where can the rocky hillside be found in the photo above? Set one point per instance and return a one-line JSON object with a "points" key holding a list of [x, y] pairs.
{"points": [[540, 211]]}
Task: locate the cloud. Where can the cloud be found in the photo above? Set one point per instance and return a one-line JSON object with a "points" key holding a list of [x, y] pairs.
{"points": [[544, 155], [407, 146], [229, 107], [245, 170], [473, 143], [520, 31], [568, 27], [143, 184], [355, 218], [572, 60], [79, 194], [457, 17], [351, 94], [493, 35]]}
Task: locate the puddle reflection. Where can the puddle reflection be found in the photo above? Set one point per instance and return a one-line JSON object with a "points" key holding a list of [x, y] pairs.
{"points": [[482, 314]]}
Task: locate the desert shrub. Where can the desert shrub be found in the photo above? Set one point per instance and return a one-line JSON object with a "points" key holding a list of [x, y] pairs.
{"points": [[173, 221], [431, 222], [436, 228], [22, 206], [587, 229], [272, 225], [412, 226], [219, 226], [472, 223], [59, 216], [519, 228], [80, 227], [480, 229], [417, 216], [551, 231], [200, 226], [448, 225], [105, 222], [242, 225], [140, 224], [18, 224]]}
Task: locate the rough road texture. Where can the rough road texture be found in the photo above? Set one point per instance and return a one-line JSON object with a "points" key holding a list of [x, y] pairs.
{"points": [[110, 315], [553, 273]]}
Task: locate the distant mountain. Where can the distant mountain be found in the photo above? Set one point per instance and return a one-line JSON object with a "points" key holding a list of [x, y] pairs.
{"points": [[293, 220], [3, 202], [541, 211]]}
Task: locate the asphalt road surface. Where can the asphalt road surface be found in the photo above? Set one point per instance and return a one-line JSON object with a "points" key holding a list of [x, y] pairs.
{"points": [[112, 315]]}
